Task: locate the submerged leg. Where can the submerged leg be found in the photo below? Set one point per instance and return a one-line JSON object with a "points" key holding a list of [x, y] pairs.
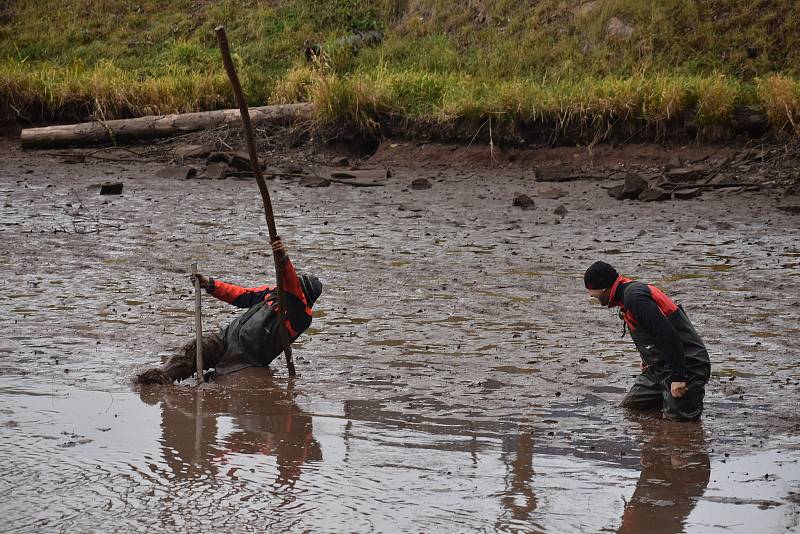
{"points": [[183, 363], [645, 394]]}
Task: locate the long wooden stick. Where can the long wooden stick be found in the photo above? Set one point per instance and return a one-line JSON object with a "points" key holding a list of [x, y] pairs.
{"points": [[262, 186], [198, 325]]}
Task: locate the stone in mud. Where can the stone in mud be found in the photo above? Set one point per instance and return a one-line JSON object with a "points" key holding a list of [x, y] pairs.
{"points": [[562, 174], [617, 191], [793, 207], [686, 174], [561, 210], [524, 201], [685, 194], [179, 173], [655, 194], [549, 191], [314, 181], [634, 186], [192, 151], [214, 171], [421, 183], [111, 188]]}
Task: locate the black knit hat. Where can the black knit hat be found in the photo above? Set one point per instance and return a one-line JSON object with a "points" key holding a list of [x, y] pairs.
{"points": [[312, 287], [600, 276]]}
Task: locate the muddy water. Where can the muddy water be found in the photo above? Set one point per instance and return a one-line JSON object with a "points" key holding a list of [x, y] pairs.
{"points": [[456, 376]]}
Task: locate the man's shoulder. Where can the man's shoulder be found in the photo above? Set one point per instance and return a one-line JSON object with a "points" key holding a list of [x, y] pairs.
{"points": [[634, 290]]}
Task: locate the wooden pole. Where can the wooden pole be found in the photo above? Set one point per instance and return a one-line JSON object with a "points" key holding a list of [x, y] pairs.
{"points": [[262, 186], [198, 325]]}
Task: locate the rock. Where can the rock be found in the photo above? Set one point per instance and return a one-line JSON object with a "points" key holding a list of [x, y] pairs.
{"points": [[793, 208], [524, 201], [561, 174], [634, 186], [617, 191], [180, 173], [586, 8], [191, 151], [111, 188], [341, 162], [237, 160], [721, 179], [617, 29], [214, 171], [750, 120], [549, 191], [686, 174], [655, 194], [314, 181], [421, 183], [685, 194], [673, 163], [561, 210]]}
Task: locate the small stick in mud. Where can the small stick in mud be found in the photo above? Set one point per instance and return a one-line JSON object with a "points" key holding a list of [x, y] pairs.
{"points": [[198, 324], [262, 186]]}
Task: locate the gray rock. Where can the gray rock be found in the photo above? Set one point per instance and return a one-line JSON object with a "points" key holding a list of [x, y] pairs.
{"points": [[685, 194], [586, 8], [176, 172], [314, 181], [214, 171], [111, 188], [549, 191], [686, 174], [634, 186], [617, 29], [524, 201], [655, 194], [617, 191], [561, 210], [421, 183]]}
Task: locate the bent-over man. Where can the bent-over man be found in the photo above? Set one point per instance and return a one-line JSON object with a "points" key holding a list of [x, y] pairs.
{"points": [[675, 363]]}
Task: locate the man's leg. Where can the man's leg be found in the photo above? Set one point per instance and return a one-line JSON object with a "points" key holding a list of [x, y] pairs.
{"points": [[183, 363], [689, 407], [645, 394]]}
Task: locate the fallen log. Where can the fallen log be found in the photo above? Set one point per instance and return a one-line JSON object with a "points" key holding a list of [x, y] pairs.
{"points": [[121, 130]]}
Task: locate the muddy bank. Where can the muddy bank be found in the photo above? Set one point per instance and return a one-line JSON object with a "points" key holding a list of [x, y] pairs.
{"points": [[455, 365]]}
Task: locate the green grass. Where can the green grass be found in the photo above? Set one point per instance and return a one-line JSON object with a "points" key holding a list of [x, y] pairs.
{"points": [[441, 61]]}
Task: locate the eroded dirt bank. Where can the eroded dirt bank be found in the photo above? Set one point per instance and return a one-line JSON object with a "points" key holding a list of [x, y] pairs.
{"points": [[455, 375]]}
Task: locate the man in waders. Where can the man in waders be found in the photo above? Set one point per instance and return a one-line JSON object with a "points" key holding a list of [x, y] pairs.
{"points": [[252, 339], [675, 364]]}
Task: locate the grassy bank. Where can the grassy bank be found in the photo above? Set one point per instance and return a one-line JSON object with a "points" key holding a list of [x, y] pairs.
{"points": [[567, 66]]}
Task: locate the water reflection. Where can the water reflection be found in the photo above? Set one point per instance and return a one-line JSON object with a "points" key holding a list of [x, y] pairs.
{"points": [[675, 473], [202, 429]]}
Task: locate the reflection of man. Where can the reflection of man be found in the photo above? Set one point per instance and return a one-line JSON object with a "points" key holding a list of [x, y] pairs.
{"points": [[675, 363], [519, 497], [265, 417], [675, 473]]}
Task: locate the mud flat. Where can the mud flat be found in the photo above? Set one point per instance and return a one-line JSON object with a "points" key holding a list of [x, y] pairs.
{"points": [[456, 376]]}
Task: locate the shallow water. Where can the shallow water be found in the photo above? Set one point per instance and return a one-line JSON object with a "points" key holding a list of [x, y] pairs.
{"points": [[455, 377]]}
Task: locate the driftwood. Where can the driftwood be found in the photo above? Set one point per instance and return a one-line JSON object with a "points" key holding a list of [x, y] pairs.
{"points": [[117, 131]]}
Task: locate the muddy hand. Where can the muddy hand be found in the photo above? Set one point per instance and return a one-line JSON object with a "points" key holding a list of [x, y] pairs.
{"points": [[678, 389], [279, 248], [203, 279]]}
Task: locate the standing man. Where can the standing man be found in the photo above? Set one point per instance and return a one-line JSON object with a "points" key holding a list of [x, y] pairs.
{"points": [[252, 339], [675, 364]]}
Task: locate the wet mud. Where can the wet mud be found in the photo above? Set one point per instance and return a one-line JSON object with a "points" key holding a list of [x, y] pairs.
{"points": [[455, 377]]}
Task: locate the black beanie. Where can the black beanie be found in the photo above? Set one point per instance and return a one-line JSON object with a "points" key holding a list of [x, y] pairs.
{"points": [[600, 276], [312, 287]]}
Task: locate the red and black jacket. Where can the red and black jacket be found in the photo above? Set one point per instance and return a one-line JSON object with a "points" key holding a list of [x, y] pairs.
{"points": [[661, 330], [298, 312]]}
